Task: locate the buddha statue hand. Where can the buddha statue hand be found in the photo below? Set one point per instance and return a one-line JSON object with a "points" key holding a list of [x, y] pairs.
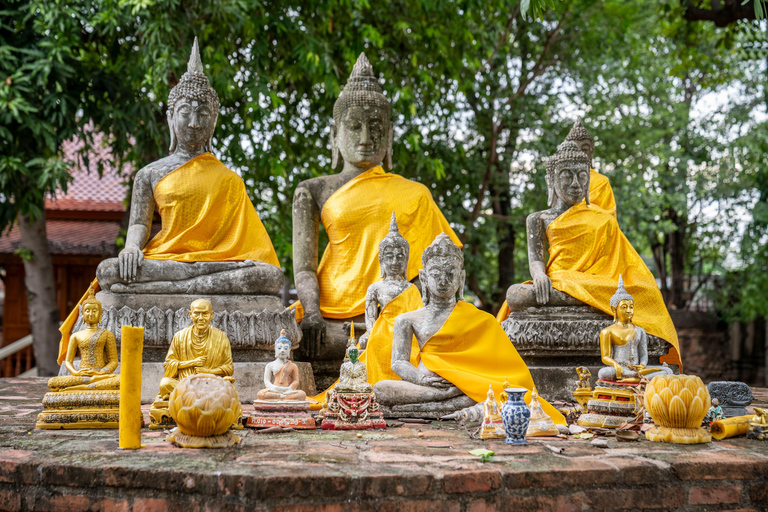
{"points": [[542, 286], [129, 260], [313, 328], [363, 341], [434, 382], [619, 371]]}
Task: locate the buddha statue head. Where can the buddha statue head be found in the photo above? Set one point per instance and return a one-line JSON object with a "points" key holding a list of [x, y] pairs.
{"points": [[362, 129], [282, 347], [442, 275], [568, 175], [201, 313], [393, 252], [193, 108], [91, 308], [622, 304], [583, 139]]}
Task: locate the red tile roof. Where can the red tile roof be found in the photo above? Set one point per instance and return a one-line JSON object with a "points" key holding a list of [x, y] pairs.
{"points": [[72, 238]]}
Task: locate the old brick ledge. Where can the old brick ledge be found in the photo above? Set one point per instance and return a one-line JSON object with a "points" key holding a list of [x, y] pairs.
{"points": [[391, 470]]}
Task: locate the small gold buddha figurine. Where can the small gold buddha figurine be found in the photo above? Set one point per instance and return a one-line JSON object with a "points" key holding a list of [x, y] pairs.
{"points": [[492, 427], [758, 425], [199, 348], [540, 425], [89, 397], [503, 396]]}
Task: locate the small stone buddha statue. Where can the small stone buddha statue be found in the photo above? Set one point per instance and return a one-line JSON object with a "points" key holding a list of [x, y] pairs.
{"points": [[353, 377], [199, 348], [624, 345], [492, 426], [540, 425], [281, 376], [353, 206], [223, 248]]}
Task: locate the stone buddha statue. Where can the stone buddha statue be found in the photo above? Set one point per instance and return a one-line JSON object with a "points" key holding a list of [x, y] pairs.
{"points": [[587, 251], [353, 206], [462, 350], [624, 346], [212, 240], [98, 354], [353, 377], [281, 376]]}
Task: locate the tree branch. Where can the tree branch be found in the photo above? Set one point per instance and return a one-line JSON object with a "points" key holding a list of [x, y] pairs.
{"points": [[722, 14], [501, 39]]}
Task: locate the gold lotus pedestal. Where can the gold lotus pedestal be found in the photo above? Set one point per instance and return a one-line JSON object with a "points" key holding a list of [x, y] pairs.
{"points": [[80, 409]]}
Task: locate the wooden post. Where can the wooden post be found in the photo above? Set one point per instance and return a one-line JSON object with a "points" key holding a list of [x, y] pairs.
{"points": [[131, 347]]}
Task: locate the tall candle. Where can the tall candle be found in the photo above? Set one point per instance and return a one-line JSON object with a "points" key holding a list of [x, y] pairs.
{"points": [[131, 347]]}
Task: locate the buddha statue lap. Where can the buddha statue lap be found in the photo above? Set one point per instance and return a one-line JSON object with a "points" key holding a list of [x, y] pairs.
{"points": [[197, 349], [352, 206], [462, 350], [89, 396]]}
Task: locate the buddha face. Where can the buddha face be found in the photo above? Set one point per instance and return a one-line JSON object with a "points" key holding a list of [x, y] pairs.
{"points": [[393, 261], [586, 146], [571, 182], [625, 310], [201, 314], [192, 122], [363, 136], [282, 350], [443, 276], [352, 352], [91, 313]]}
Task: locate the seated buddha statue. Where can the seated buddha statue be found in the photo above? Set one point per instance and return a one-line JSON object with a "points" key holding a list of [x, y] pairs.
{"points": [[212, 240], [353, 206], [624, 345], [353, 376], [281, 376], [492, 426], [462, 350], [98, 354], [587, 252]]}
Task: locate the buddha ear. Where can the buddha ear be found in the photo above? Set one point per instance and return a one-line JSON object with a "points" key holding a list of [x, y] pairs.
{"points": [[388, 154], [586, 194], [209, 145], [336, 159], [424, 286], [550, 192], [172, 147], [462, 279]]}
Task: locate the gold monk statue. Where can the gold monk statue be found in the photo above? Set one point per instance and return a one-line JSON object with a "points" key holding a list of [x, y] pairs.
{"points": [[354, 206], [281, 376], [624, 345], [212, 240], [587, 252], [199, 348], [98, 354]]}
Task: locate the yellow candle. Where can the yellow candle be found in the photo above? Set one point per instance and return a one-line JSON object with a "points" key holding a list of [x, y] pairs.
{"points": [[730, 427], [131, 347]]}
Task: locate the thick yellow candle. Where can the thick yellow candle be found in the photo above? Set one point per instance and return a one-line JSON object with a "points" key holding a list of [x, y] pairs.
{"points": [[730, 427], [131, 347]]}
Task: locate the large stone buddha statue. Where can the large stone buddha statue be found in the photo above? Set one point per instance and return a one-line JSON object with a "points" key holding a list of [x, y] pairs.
{"points": [[354, 206], [462, 351]]}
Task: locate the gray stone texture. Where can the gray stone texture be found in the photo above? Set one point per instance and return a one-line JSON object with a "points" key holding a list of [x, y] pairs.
{"points": [[734, 397]]}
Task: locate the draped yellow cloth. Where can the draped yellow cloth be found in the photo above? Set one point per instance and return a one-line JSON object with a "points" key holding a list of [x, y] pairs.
{"points": [[588, 251], [185, 347], [207, 216], [472, 351], [600, 194], [356, 218], [378, 353]]}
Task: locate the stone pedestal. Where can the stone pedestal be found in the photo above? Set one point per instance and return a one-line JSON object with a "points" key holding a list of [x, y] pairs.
{"points": [[611, 404], [281, 413], [553, 341], [80, 409], [353, 411]]}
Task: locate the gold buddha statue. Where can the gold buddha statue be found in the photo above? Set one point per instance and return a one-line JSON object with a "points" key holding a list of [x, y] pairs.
{"points": [[89, 397], [492, 427], [540, 424]]}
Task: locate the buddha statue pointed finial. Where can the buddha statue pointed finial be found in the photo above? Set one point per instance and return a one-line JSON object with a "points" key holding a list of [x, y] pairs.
{"points": [[91, 299], [194, 85], [195, 64], [393, 224], [579, 132], [362, 89], [362, 67], [621, 294]]}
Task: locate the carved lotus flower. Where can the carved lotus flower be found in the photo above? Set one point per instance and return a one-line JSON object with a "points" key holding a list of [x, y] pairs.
{"points": [[204, 405], [677, 404]]}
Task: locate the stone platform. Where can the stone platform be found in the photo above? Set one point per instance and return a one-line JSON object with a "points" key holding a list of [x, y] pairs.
{"points": [[390, 470]]}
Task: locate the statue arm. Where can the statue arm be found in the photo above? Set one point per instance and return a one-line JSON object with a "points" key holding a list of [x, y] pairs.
{"points": [[642, 345], [605, 352], [226, 368], [306, 228], [142, 209], [111, 349], [401, 352], [542, 285], [371, 307], [71, 352]]}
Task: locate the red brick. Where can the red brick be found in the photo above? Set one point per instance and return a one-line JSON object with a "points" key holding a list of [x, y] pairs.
{"points": [[592, 472], [719, 466], [482, 506], [618, 499], [112, 505], [637, 472], [10, 460], [384, 486], [10, 501], [151, 505], [472, 481], [542, 503], [721, 494]]}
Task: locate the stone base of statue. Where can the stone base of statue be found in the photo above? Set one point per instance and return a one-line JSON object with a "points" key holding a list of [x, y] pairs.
{"points": [[353, 411], [81, 409], [281, 413], [187, 441], [554, 340], [252, 323], [612, 404], [433, 410], [160, 418]]}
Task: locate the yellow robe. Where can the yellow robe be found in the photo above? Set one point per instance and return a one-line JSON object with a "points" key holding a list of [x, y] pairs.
{"points": [[600, 194], [588, 251], [378, 353], [356, 218], [185, 347], [472, 351]]}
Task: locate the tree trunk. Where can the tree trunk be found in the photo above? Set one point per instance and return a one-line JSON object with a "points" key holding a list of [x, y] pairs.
{"points": [[677, 256], [41, 294]]}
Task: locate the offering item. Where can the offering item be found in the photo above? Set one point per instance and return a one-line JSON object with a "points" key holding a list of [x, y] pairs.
{"points": [[677, 406], [352, 404], [540, 425], [730, 427], [733, 397], [715, 412], [758, 425], [197, 349], [516, 416], [281, 403], [493, 426], [204, 407], [89, 397]]}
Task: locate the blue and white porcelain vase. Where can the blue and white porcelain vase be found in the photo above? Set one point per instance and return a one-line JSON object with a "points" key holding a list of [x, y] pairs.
{"points": [[515, 415]]}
